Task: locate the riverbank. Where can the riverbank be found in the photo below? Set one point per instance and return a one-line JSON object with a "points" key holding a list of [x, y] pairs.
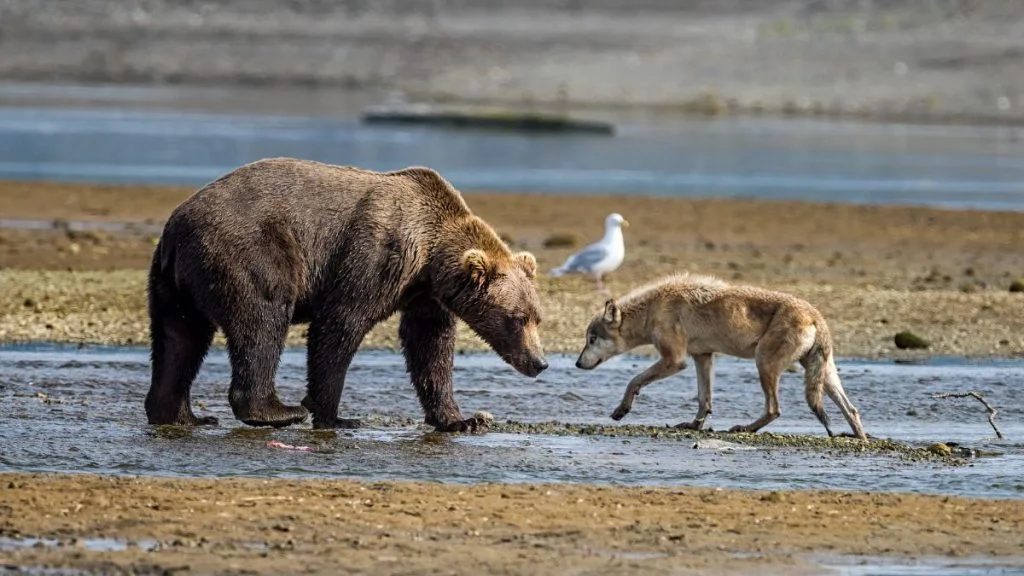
{"points": [[262, 526], [873, 270], [933, 61]]}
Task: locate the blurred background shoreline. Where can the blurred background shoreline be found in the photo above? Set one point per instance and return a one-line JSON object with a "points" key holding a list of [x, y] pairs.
{"points": [[896, 60]]}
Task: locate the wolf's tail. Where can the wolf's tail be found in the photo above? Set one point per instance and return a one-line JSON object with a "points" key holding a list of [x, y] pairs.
{"points": [[818, 368]]}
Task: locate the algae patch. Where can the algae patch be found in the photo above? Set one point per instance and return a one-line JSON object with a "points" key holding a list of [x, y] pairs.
{"points": [[838, 445]]}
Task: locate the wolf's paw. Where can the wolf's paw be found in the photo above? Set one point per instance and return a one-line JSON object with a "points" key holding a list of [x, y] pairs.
{"points": [[620, 413]]}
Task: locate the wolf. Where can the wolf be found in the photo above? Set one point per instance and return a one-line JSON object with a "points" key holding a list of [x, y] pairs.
{"points": [[698, 315]]}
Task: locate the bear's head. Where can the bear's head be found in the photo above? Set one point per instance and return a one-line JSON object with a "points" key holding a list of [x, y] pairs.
{"points": [[496, 295]]}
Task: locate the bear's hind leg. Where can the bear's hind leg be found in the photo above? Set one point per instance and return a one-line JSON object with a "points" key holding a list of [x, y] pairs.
{"points": [[333, 341], [180, 337], [255, 342], [427, 332]]}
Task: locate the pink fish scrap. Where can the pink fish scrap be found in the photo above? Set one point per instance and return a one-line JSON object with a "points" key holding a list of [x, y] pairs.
{"points": [[276, 444]]}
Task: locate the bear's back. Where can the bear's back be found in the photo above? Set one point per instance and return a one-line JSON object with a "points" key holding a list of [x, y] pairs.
{"points": [[284, 184]]}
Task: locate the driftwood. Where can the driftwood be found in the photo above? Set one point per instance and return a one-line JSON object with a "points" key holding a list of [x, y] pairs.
{"points": [[991, 411]]}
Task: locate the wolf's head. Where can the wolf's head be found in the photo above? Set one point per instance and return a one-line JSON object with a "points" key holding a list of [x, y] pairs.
{"points": [[604, 337]]}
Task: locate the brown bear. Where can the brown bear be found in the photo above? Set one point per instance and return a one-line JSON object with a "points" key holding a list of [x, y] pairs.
{"points": [[283, 241]]}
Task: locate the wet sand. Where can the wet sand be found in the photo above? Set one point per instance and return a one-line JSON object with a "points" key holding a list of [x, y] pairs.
{"points": [[873, 270], [235, 526]]}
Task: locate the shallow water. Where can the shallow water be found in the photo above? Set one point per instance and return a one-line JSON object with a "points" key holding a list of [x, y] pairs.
{"points": [[173, 140], [80, 410]]}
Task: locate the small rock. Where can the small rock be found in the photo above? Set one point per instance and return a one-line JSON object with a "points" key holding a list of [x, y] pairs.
{"points": [[909, 341], [1017, 285], [940, 449], [561, 240]]}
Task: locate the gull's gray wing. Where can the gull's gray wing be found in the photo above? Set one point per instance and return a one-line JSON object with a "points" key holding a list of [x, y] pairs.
{"points": [[587, 258]]}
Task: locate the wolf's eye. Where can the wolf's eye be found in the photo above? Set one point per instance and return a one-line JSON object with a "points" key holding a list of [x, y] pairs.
{"points": [[591, 338]]}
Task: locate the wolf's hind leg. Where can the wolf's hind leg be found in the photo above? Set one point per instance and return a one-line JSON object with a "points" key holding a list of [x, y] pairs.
{"points": [[776, 352], [835, 391], [703, 365]]}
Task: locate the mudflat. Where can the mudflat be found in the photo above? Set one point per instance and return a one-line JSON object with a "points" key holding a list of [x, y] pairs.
{"points": [[254, 526], [874, 271]]}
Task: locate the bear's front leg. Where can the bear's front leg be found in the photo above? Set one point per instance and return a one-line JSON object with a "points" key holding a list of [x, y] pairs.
{"points": [[427, 332]]}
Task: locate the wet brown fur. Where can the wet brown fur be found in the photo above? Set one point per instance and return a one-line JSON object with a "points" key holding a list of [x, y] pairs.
{"points": [[699, 316], [283, 241]]}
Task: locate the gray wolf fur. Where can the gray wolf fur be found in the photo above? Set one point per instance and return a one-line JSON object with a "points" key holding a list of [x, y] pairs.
{"points": [[702, 315]]}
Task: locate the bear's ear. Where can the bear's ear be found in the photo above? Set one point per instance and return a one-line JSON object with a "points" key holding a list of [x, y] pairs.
{"points": [[612, 314], [476, 263], [528, 263]]}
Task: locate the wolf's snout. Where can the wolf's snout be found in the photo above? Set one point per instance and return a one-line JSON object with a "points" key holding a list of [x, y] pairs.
{"points": [[583, 366]]}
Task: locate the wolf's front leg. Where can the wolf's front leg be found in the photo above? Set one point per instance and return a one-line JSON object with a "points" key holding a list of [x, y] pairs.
{"points": [[663, 368], [702, 364]]}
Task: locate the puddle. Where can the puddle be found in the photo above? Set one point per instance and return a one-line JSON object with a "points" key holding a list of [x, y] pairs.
{"points": [[891, 566], [8, 544], [69, 409], [80, 226]]}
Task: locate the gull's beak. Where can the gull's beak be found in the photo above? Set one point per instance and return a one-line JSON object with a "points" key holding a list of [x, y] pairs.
{"points": [[625, 223]]}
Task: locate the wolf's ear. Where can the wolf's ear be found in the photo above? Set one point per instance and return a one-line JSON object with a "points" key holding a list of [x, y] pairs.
{"points": [[476, 263], [612, 314], [528, 263]]}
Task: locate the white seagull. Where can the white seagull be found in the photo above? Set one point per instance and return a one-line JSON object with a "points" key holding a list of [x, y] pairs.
{"points": [[601, 257]]}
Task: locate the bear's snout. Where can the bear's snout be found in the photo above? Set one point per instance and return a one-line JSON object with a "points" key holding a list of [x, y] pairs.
{"points": [[539, 365]]}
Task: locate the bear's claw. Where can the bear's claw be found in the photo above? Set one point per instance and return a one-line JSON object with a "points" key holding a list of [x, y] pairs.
{"points": [[277, 415], [188, 419], [474, 424], [338, 423]]}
